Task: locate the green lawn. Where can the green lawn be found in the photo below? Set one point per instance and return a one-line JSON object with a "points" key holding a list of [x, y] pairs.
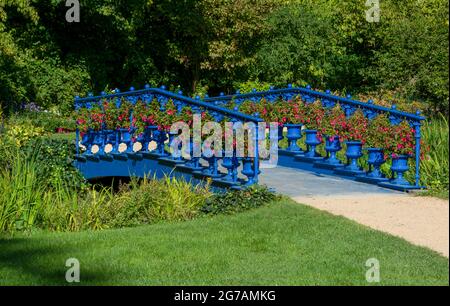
{"points": [[281, 244]]}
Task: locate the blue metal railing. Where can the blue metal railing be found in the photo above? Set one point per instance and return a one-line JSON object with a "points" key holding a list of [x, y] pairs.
{"points": [[148, 95], [328, 100]]}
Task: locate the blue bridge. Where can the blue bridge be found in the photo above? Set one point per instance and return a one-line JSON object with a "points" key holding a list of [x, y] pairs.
{"points": [[141, 149]]}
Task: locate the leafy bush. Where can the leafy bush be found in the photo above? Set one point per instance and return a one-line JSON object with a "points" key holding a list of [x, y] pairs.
{"points": [[21, 134], [149, 201], [54, 159], [47, 121], [237, 201]]}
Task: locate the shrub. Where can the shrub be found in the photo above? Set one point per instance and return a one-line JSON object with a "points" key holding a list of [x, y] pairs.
{"points": [[237, 201], [149, 201], [47, 121], [54, 158], [21, 134]]}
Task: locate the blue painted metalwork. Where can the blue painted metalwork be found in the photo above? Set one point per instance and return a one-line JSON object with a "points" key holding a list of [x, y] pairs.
{"points": [[97, 163], [332, 146], [193, 169], [375, 160], [349, 106], [353, 153], [294, 133]]}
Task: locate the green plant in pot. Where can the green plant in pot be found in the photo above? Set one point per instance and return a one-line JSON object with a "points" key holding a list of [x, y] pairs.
{"points": [[354, 133], [333, 125], [314, 116], [401, 144], [376, 143], [295, 115]]}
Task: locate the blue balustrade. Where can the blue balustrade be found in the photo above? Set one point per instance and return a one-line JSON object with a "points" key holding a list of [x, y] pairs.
{"points": [[125, 157], [349, 105]]}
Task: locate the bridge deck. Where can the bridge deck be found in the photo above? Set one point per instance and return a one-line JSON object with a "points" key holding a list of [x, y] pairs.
{"points": [[297, 182]]}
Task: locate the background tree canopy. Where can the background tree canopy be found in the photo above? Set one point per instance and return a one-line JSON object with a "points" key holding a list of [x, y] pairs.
{"points": [[221, 45]]}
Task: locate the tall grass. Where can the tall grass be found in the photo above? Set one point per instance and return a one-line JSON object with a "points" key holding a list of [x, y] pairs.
{"points": [[26, 203], [435, 165], [21, 195]]}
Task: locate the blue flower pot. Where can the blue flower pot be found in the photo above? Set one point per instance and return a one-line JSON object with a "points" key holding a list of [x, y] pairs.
{"points": [[375, 160], [332, 146], [231, 163], [398, 168], [248, 170], [354, 152], [175, 152], [159, 136], [88, 139], [125, 137], [294, 133], [193, 162], [213, 169], [312, 142], [146, 137], [110, 137]]}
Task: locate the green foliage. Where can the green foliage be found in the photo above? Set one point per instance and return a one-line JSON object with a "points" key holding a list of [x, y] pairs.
{"points": [[222, 45], [435, 165], [301, 47], [47, 121], [21, 134], [21, 195], [53, 158], [411, 56], [151, 200], [248, 86], [237, 201]]}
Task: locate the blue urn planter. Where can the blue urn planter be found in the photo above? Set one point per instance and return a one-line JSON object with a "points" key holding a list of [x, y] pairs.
{"points": [[87, 140], [375, 161], [213, 169], [311, 155], [312, 142], [248, 170], [332, 146], [398, 168], [176, 154], [231, 163], [146, 137], [126, 138], [294, 133], [353, 153], [193, 164], [159, 136]]}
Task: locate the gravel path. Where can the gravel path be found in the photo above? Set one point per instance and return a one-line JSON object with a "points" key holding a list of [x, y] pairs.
{"points": [[422, 221]]}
